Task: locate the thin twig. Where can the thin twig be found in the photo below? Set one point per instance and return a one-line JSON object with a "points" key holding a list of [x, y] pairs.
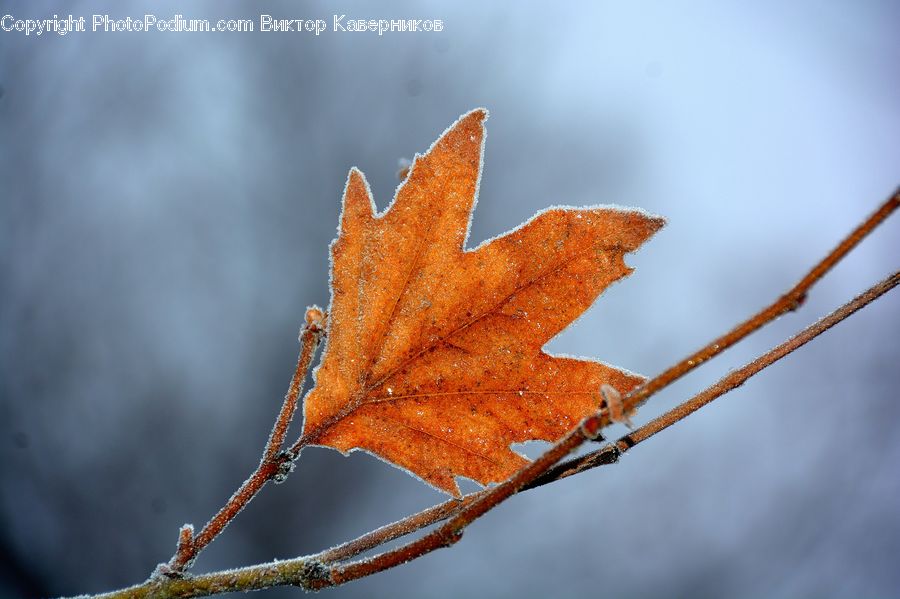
{"points": [[451, 531], [311, 573], [737, 377], [788, 302], [398, 529], [310, 336], [274, 465], [184, 549]]}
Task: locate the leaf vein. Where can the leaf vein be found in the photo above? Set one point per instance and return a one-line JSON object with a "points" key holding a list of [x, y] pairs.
{"points": [[485, 314], [441, 439]]}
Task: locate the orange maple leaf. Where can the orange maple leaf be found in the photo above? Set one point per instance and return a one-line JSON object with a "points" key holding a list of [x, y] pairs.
{"points": [[433, 359]]}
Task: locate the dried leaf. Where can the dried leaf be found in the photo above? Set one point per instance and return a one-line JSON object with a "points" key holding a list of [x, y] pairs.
{"points": [[433, 359]]}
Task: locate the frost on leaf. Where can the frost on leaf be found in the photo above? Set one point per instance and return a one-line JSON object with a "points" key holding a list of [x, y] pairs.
{"points": [[433, 359]]}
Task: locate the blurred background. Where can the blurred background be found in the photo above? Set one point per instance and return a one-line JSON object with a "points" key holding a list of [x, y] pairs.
{"points": [[166, 204]]}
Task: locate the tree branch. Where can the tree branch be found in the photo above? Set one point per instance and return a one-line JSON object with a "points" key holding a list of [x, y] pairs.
{"points": [[300, 572], [310, 573], [318, 571], [788, 302]]}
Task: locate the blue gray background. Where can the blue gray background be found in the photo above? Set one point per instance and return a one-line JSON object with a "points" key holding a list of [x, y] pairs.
{"points": [[166, 203]]}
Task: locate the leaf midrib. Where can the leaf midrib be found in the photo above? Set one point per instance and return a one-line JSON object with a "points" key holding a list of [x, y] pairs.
{"points": [[485, 314]]}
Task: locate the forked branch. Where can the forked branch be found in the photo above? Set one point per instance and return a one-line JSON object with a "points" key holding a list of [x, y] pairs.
{"points": [[274, 465], [451, 531], [788, 302], [311, 573], [322, 570]]}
